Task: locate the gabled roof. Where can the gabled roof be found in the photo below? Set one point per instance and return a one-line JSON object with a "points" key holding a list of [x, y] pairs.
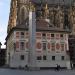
{"points": [[41, 24]]}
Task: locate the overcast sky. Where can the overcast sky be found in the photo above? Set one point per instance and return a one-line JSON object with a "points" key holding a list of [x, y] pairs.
{"points": [[4, 16]]}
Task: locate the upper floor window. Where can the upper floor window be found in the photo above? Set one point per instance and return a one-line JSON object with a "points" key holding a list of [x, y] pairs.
{"points": [[38, 35], [61, 35], [22, 34], [22, 15], [22, 45], [62, 47], [44, 35], [57, 46], [38, 45], [52, 35], [44, 46], [17, 34], [17, 45], [48, 45], [53, 46], [57, 36]]}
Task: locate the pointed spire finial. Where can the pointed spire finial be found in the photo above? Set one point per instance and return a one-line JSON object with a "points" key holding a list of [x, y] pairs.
{"points": [[46, 7], [46, 10], [31, 6]]}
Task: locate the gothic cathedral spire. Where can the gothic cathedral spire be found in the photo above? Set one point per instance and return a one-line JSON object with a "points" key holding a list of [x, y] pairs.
{"points": [[46, 11]]}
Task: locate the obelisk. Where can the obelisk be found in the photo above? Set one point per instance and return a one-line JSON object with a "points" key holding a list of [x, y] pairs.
{"points": [[32, 37]]}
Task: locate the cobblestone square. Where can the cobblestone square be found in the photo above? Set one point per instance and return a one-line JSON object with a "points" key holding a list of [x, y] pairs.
{"points": [[41, 72]]}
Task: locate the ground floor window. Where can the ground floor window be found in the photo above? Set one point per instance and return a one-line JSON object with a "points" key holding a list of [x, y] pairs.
{"points": [[44, 57], [22, 57], [39, 57], [53, 58], [62, 57]]}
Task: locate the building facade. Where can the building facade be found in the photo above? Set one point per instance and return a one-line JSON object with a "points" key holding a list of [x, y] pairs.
{"points": [[72, 35], [51, 37], [72, 50], [2, 56]]}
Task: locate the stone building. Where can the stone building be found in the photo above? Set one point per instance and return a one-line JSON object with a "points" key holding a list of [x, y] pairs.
{"points": [[2, 56], [72, 50], [72, 35], [0, 45], [37, 33]]}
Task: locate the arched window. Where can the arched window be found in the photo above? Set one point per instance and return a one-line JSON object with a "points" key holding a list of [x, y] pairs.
{"points": [[22, 15]]}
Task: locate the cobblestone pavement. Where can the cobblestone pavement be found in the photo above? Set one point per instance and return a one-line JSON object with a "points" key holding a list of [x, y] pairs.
{"points": [[41, 72]]}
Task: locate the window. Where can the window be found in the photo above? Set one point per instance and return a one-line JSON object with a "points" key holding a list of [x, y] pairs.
{"points": [[44, 35], [44, 57], [53, 58], [22, 57], [17, 45], [39, 58], [61, 35], [52, 35], [22, 34], [22, 46], [44, 46], [57, 36], [62, 47], [48, 45], [17, 34], [22, 15], [48, 36], [38, 35], [57, 46], [62, 57], [53, 46], [38, 45]]}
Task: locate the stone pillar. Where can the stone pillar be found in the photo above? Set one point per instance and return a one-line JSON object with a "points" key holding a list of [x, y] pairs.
{"points": [[68, 64]]}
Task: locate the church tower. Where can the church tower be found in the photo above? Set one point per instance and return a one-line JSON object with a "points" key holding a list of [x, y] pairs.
{"points": [[18, 12], [13, 15]]}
